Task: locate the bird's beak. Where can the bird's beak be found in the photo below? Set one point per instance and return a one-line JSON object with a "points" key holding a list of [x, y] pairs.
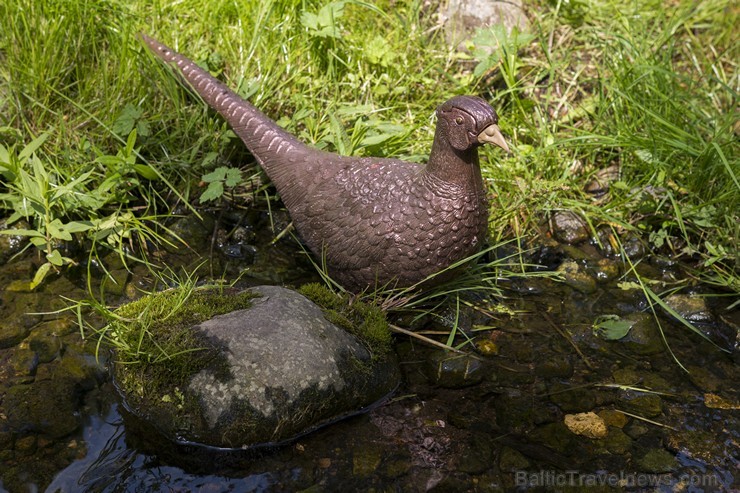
{"points": [[492, 135]]}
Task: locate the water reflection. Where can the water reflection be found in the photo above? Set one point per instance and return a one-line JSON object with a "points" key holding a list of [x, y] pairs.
{"points": [[111, 466]]}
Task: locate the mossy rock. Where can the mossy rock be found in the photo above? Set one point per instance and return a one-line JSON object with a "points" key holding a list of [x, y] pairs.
{"points": [[267, 368]]}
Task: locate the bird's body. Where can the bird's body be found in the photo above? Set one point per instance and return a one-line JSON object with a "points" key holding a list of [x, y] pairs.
{"points": [[373, 221]]}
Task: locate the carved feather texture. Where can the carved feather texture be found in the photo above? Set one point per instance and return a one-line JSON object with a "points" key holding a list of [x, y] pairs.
{"points": [[375, 221]]}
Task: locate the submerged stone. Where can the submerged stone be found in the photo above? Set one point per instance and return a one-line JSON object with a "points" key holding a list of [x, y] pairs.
{"points": [[45, 407], [644, 337], [618, 442], [642, 404], [278, 369], [12, 332], [588, 424], [454, 370], [657, 461]]}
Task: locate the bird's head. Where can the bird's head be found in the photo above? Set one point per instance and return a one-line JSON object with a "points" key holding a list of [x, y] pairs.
{"points": [[469, 121]]}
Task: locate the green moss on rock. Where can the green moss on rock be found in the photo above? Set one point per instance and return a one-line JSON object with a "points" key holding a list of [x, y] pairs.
{"points": [[365, 321], [157, 349]]}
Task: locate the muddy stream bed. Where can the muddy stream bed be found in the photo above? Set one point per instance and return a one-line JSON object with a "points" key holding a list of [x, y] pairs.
{"points": [[540, 404]]}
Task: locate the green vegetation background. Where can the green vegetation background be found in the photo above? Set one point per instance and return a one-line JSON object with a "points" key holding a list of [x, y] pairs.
{"points": [[99, 142]]}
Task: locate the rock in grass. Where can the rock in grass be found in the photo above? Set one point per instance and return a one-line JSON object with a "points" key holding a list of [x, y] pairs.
{"points": [[265, 374]]}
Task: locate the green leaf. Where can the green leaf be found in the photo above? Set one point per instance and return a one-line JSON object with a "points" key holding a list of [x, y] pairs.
{"points": [[218, 174], [323, 24], [146, 171], [372, 140], [39, 242], [109, 161], [611, 327], [209, 159], [340, 138], [4, 156], [40, 275], [233, 177], [310, 21], [21, 232], [143, 128], [78, 226], [126, 120], [32, 147], [56, 229], [130, 143], [214, 191], [55, 258], [379, 51]]}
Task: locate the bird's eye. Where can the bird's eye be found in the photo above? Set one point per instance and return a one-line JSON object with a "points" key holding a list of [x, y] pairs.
{"points": [[459, 120]]}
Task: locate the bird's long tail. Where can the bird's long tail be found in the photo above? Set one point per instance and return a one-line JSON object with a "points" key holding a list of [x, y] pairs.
{"points": [[262, 136]]}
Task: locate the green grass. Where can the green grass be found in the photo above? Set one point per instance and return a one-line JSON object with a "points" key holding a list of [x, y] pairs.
{"points": [[643, 87]]}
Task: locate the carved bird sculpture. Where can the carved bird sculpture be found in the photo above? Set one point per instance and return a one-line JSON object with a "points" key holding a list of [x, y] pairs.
{"points": [[374, 221]]}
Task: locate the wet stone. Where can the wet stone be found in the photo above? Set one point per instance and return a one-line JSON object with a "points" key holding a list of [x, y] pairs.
{"points": [[613, 418], [79, 369], [193, 231], [555, 436], [512, 374], [554, 367], [569, 227], [636, 429], [476, 456], [587, 424], [634, 247], [12, 244], [644, 337], [702, 445], [704, 379], [692, 308], [618, 442], [452, 370], [657, 461], [12, 332], [572, 399], [25, 445], [603, 270], [46, 346], [575, 277], [514, 410], [24, 363], [46, 406], [512, 460], [626, 376], [366, 461], [397, 466], [115, 281], [640, 403], [57, 327], [578, 254], [656, 383]]}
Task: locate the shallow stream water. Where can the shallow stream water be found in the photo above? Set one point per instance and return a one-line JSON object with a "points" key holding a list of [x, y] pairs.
{"points": [[492, 419]]}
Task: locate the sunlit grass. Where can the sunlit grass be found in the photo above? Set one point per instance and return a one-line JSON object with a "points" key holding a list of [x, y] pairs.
{"points": [[649, 90]]}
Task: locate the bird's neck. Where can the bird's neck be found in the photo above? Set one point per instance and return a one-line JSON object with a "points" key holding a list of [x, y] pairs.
{"points": [[459, 169]]}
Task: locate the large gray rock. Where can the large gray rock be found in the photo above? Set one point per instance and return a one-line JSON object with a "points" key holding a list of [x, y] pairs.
{"points": [[463, 17], [283, 370]]}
